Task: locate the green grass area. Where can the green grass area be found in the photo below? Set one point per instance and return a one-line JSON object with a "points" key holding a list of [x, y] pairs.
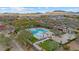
{"points": [[33, 39], [49, 45]]}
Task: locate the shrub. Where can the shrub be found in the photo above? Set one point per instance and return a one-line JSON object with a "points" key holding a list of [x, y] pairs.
{"points": [[66, 47]]}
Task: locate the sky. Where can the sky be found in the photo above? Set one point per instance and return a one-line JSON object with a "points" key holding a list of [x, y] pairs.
{"points": [[36, 9]]}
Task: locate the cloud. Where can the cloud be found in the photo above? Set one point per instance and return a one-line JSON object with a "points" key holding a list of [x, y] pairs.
{"points": [[74, 9], [20, 9]]}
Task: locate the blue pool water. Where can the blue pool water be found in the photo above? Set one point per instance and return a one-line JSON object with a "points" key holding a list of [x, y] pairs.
{"points": [[37, 30]]}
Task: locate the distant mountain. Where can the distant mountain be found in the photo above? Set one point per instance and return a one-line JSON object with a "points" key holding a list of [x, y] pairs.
{"points": [[59, 11]]}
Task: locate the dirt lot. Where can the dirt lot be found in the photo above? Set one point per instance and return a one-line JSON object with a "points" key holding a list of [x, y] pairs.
{"points": [[74, 45]]}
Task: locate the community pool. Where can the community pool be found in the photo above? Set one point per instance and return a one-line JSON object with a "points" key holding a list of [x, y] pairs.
{"points": [[39, 32]]}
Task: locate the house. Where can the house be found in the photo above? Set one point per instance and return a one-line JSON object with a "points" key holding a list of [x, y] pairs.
{"points": [[39, 21], [2, 27]]}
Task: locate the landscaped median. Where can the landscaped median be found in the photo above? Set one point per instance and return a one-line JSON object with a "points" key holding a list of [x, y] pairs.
{"points": [[25, 39]]}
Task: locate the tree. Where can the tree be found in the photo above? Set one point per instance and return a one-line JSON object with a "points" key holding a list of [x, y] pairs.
{"points": [[24, 23]]}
